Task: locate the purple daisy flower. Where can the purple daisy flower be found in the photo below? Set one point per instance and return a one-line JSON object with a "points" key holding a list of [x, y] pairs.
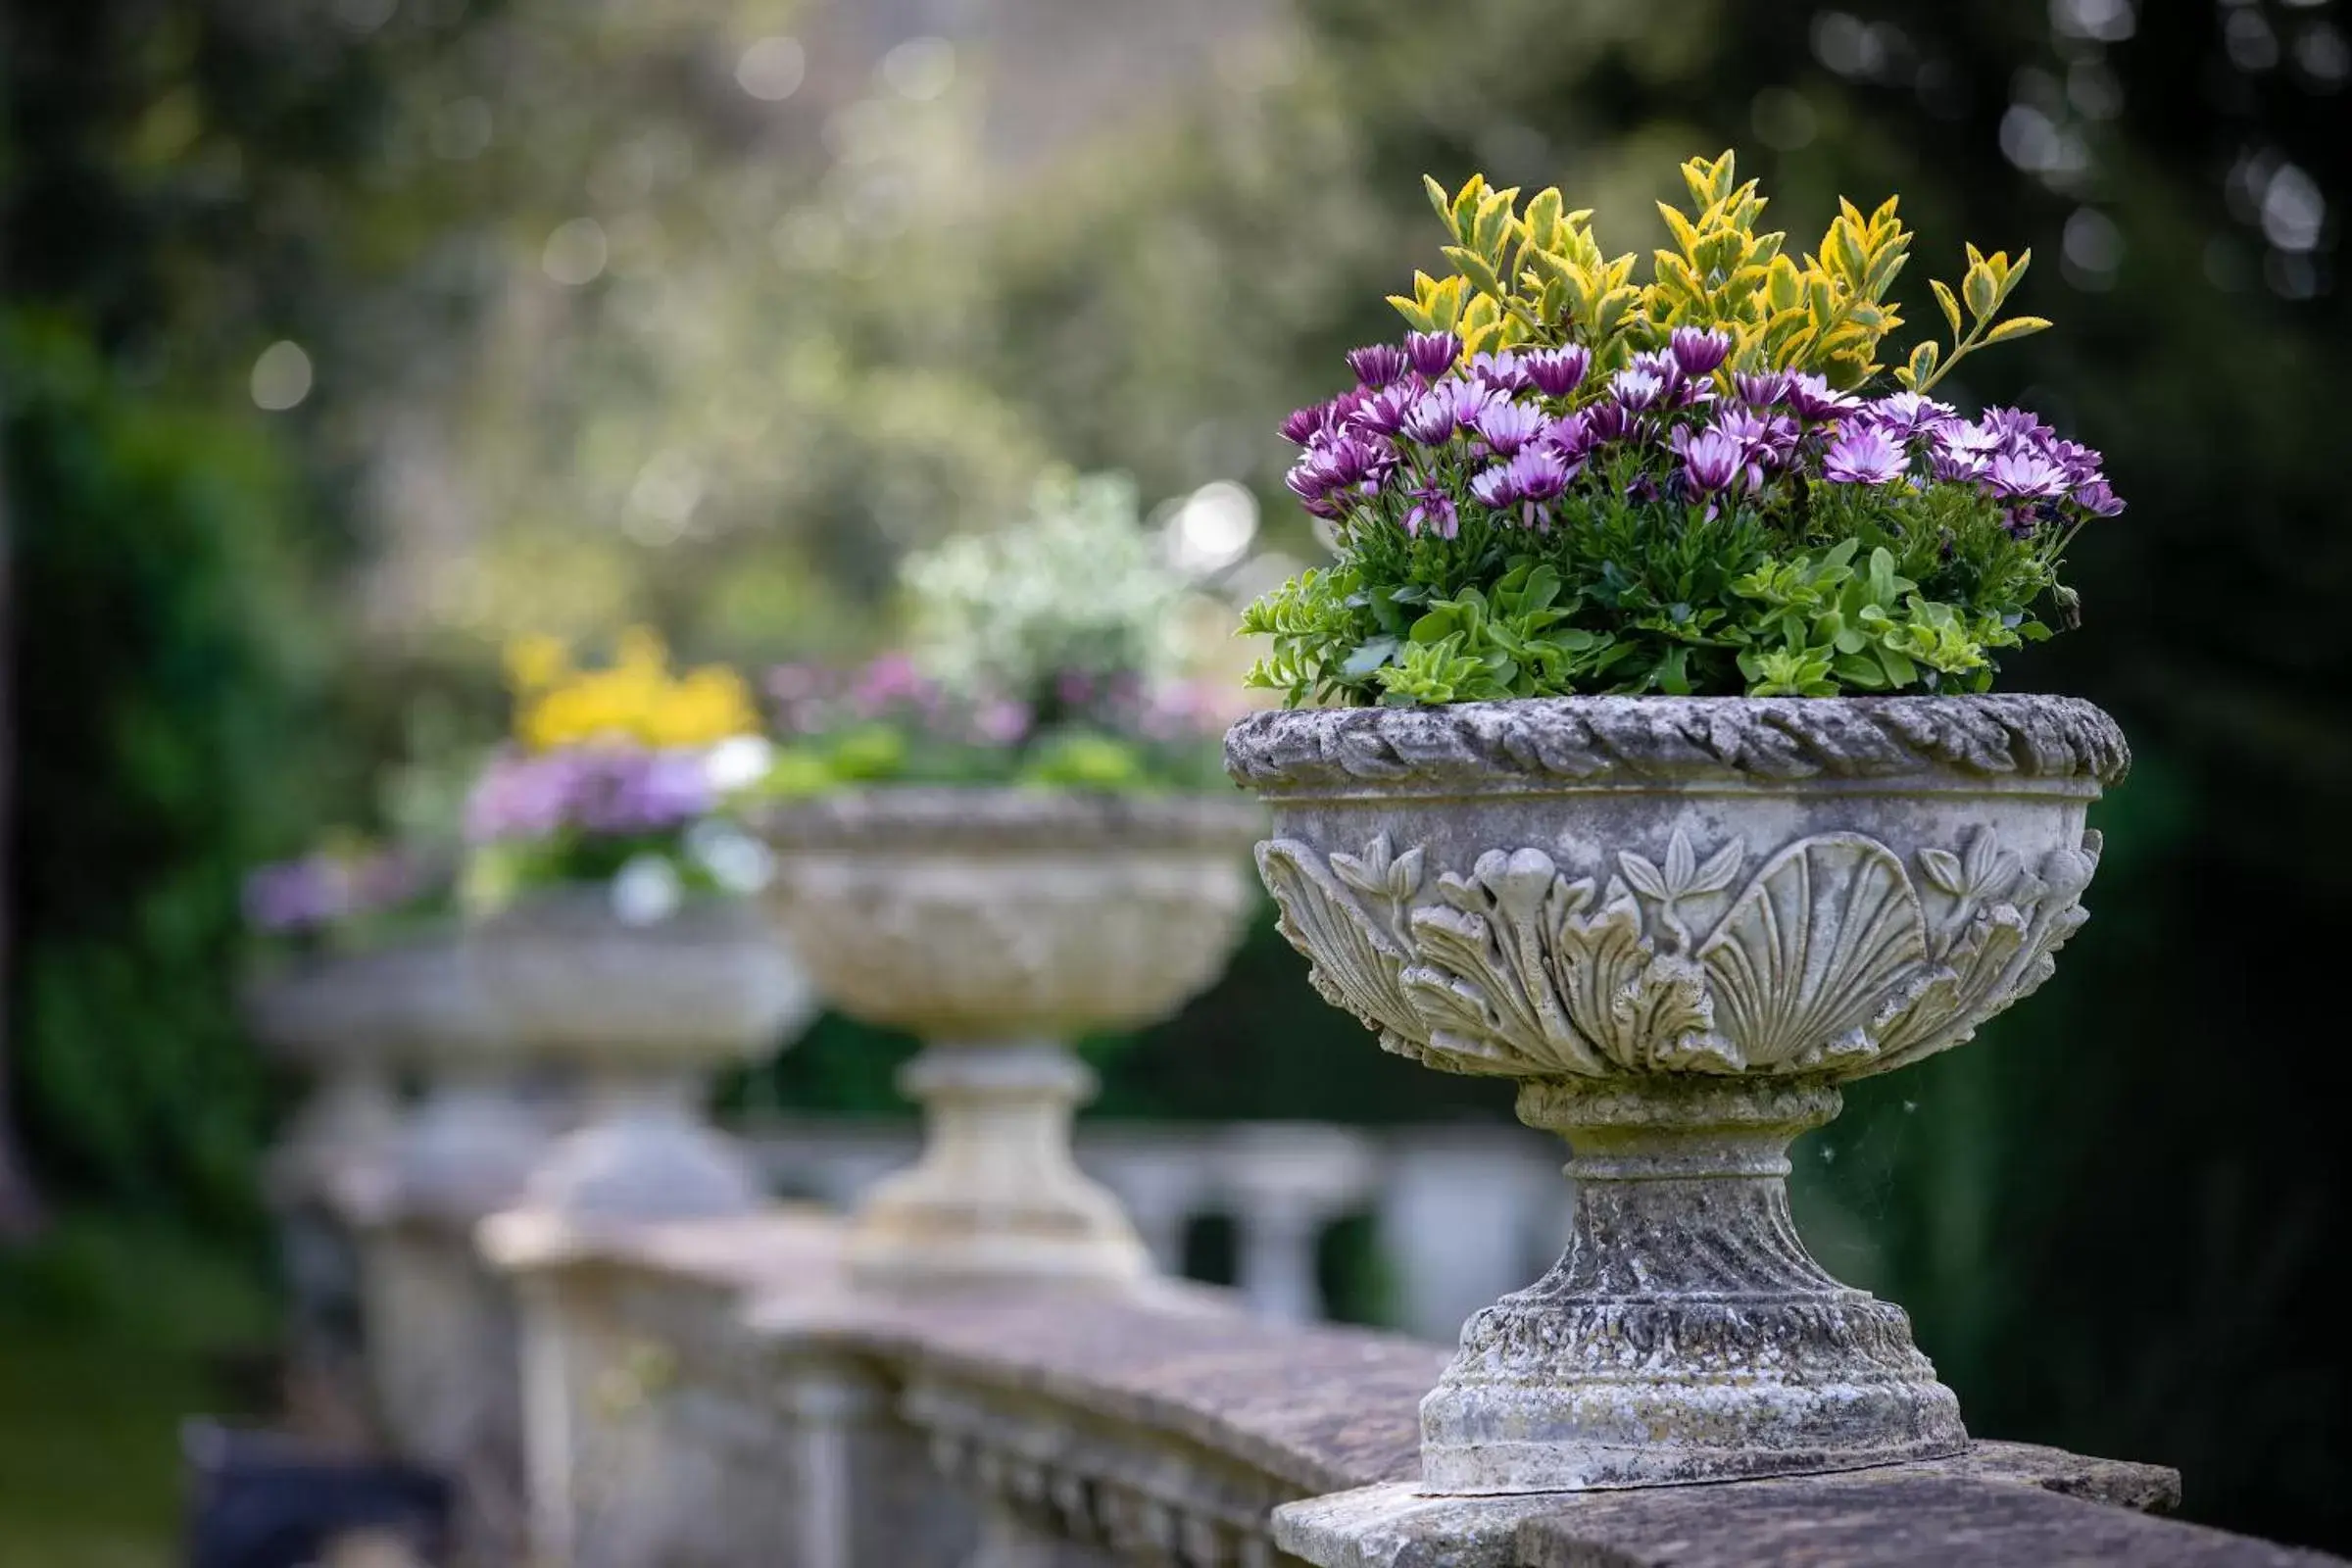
{"points": [[1556, 372], [1494, 486], [1382, 413], [1637, 387], [1302, 425], [1863, 457], [1761, 389], [2097, 500], [1813, 401], [1500, 370], [1375, 366], [2025, 477], [1507, 426], [1907, 416], [1538, 476], [1698, 351], [1431, 509], [1712, 461], [1432, 353]]}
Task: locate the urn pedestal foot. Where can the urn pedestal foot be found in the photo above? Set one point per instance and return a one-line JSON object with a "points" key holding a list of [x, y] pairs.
{"points": [[996, 1195], [1686, 1335], [645, 1156]]}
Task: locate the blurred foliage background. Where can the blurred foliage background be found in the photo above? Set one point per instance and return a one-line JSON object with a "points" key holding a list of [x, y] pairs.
{"points": [[342, 339]]}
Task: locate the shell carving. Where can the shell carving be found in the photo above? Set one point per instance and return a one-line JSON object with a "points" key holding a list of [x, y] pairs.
{"points": [[1828, 958]]}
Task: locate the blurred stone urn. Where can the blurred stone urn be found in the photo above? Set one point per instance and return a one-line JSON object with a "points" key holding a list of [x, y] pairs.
{"points": [[999, 925], [340, 1020], [1681, 923], [644, 1011]]}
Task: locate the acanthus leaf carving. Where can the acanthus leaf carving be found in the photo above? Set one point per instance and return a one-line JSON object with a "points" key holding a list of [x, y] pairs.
{"points": [[1826, 959]]}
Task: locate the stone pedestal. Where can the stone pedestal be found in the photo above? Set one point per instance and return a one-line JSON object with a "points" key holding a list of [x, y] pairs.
{"points": [[995, 1193], [643, 1013], [996, 924], [1680, 923]]}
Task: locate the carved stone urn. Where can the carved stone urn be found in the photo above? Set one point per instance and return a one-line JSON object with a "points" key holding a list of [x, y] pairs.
{"points": [[1680, 924], [644, 1012], [341, 1020], [999, 925]]}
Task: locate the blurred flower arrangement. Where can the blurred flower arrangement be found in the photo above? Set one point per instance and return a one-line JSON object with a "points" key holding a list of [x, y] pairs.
{"points": [[1563, 481], [617, 777], [1040, 655], [346, 894]]}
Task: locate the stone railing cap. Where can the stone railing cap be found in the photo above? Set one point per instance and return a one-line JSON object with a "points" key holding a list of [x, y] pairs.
{"points": [[1604, 740]]}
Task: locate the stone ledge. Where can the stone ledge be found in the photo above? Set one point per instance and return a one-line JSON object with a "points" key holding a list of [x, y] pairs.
{"points": [[2001, 1505]]}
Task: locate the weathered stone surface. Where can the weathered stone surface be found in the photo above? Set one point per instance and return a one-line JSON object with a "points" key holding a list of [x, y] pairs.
{"points": [[1680, 923], [1683, 738], [1998, 1505], [644, 1011], [997, 924]]}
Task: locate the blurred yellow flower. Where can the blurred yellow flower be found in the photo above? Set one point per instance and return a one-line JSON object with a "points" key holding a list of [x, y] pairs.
{"points": [[635, 699]]}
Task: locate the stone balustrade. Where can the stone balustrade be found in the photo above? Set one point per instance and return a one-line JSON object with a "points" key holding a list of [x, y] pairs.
{"points": [[1283, 1185], [721, 1394]]}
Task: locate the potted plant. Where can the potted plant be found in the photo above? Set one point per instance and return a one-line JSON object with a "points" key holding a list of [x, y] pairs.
{"points": [[616, 931], [1661, 773], [1000, 841]]}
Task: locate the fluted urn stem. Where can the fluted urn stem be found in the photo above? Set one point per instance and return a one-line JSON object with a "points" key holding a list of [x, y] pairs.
{"points": [[996, 1194], [1687, 1335]]}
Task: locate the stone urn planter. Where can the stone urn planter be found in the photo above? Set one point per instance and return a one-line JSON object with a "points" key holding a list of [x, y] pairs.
{"points": [[1680, 924], [342, 1021], [999, 925], [644, 1012]]}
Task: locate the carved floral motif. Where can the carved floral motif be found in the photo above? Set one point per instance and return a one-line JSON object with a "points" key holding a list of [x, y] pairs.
{"points": [[1832, 955]]}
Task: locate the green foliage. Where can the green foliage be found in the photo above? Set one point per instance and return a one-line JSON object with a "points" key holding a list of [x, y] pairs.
{"points": [[161, 666], [1535, 275], [1882, 592]]}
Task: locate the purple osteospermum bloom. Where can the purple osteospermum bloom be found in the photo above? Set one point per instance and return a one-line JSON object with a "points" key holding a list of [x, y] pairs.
{"points": [[2079, 462], [1494, 487], [1507, 426], [1810, 396], [1906, 415], [1375, 366], [1383, 414], [1571, 436], [1605, 422], [2097, 500], [1501, 369], [1556, 372], [1637, 387], [1432, 353], [1304, 424], [1431, 509], [1863, 457], [2025, 477], [1538, 476], [1430, 419], [2017, 430], [1699, 352], [1762, 389], [1713, 461]]}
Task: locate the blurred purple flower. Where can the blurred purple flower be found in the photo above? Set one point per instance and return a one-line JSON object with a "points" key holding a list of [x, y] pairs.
{"points": [[1501, 369], [1383, 414]]}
